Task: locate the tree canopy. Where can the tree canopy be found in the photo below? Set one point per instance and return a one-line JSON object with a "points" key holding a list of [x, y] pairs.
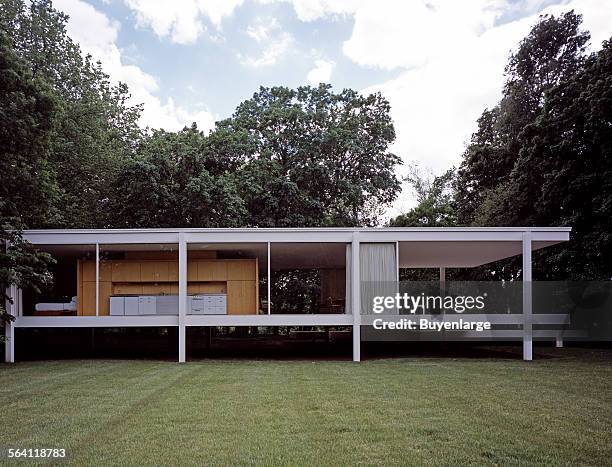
{"points": [[542, 156]]}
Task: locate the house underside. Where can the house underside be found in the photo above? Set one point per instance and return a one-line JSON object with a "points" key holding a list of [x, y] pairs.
{"points": [[261, 277]]}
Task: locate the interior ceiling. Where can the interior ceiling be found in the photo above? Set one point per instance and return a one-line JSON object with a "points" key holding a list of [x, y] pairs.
{"points": [[423, 254], [463, 254], [307, 255]]}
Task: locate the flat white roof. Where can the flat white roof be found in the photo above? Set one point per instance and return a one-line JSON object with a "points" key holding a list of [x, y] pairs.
{"points": [[311, 229], [418, 246]]}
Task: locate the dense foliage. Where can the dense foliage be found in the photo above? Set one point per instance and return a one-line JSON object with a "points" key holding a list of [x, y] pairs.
{"points": [[285, 158], [542, 156]]}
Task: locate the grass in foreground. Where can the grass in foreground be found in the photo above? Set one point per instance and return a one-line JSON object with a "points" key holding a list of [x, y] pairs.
{"points": [[405, 411]]}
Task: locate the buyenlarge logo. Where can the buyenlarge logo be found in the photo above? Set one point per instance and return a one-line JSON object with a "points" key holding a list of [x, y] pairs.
{"points": [[423, 303]]}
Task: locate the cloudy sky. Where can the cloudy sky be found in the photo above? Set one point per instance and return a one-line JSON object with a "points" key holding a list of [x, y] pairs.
{"points": [[439, 63]]}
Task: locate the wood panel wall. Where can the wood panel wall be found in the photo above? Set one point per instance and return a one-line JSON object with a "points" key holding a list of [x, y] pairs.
{"points": [[151, 275]]}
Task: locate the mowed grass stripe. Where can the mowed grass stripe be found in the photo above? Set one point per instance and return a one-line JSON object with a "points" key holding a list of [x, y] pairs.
{"points": [[393, 412]]}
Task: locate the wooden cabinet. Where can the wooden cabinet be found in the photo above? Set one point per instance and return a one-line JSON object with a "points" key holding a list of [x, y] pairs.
{"points": [[173, 274], [241, 298], [207, 287], [127, 289], [89, 271], [105, 293], [147, 272], [192, 270], [241, 269], [157, 289], [154, 271], [126, 271], [106, 271], [212, 271], [89, 299]]}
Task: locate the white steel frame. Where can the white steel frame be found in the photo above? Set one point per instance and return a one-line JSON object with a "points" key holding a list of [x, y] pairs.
{"points": [[353, 236]]}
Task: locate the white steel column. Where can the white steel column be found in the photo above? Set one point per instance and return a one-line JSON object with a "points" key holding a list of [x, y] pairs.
{"points": [[9, 329], [527, 299], [356, 297], [97, 279], [19, 307], [269, 280], [9, 342], [182, 296]]}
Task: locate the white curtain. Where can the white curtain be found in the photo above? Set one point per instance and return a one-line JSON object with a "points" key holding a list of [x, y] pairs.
{"points": [[378, 273]]}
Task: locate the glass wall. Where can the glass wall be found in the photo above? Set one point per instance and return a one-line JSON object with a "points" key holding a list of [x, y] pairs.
{"points": [[135, 280], [227, 278], [59, 296], [308, 278]]}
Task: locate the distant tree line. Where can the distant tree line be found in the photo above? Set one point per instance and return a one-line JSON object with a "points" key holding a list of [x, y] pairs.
{"points": [[541, 157]]}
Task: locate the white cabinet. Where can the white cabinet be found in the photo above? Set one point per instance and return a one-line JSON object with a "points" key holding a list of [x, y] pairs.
{"points": [[196, 305], [146, 304], [117, 306], [131, 306], [166, 305], [207, 304]]}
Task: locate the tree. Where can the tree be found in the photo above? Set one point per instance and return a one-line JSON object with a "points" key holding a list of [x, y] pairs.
{"points": [[27, 106], [26, 118], [94, 130], [177, 180], [286, 158], [542, 156], [434, 196], [553, 50], [564, 173], [322, 157]]}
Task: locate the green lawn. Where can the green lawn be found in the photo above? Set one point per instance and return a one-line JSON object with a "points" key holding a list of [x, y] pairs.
{"points": [[553, 411]]}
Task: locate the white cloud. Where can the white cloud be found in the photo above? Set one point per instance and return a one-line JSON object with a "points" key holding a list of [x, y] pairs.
{"points": [[274, 41], [261, 30], [321, 73], [451, 57], [389, 34], [181, 20], [310, 10], [97, 35]]}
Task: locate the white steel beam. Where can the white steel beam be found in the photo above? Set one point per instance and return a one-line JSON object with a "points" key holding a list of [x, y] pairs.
{"points": [[270, 320], [95, 321]]}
